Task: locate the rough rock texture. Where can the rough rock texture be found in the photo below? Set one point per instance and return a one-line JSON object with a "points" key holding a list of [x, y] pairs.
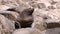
{"points": [[27, 31], [6, 26], [53, 31], [44, 15]]}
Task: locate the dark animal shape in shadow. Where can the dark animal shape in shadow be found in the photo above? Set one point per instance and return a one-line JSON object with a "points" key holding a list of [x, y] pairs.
{"points": [[26, 17]]}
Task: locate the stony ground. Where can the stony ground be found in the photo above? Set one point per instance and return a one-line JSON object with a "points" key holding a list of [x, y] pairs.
{"points": [[29, 16]]}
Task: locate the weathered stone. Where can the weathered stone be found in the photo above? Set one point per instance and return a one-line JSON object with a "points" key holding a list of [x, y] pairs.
{"points": [[7, 26], [51, 7], [27, 31], [53, 31], [4, 7], [41, 5]]}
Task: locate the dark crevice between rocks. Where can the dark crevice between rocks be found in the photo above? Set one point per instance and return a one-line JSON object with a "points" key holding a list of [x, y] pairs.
{"points": [[21, 22], [53, 25], [25, 24], [17, 25], [12, 9]]}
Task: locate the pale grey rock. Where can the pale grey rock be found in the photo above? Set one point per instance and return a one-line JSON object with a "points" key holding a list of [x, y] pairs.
{"points": [[41, 5], [6, 25], [38, 22], [53, 31], [4, 7], [27, 31], [41, 17]]}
